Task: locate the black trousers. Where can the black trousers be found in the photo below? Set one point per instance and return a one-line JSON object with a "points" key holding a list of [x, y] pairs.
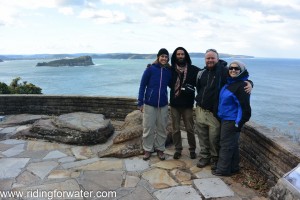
{"points": [[229, 155]]}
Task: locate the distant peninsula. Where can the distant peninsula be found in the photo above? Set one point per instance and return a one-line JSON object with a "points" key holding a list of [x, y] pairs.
{"points": [[1, 60], [79, 61], [107, 56]]}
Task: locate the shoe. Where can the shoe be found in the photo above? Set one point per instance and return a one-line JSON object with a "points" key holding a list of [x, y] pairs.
{"points": [[213, 164], [203, 162], [192, 155], [217, 173], [177, 155], [235, 172], [161, 155], [147, 155]]}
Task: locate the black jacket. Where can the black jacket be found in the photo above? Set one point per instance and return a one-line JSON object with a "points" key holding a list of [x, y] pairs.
{"points": [[209, 86], [185, 99]]}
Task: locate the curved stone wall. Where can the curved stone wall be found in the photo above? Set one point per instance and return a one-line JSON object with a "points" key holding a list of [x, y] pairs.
{"points": [[271, 153]]}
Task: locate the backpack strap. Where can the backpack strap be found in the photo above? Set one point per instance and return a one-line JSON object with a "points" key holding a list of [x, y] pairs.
{"points": [[199, 75]]}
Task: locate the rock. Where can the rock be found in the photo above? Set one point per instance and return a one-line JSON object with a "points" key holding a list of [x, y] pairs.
{"points": [[124, 150], [132, 127], [21, 119], [129, 140], [79, 61], [74, 128]]}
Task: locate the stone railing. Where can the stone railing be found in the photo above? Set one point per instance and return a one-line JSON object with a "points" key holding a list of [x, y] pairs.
{"points": [[110, 107], [272, 154]]}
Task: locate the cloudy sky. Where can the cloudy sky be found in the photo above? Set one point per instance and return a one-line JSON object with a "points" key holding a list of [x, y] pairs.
{"points": [[261, 28]]}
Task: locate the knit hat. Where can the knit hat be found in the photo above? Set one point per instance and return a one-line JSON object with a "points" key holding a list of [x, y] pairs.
{"points": [[240, 64], [163, 51]]}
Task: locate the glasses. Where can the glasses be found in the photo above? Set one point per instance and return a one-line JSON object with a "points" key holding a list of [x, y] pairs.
{"points": [[234, 68]]}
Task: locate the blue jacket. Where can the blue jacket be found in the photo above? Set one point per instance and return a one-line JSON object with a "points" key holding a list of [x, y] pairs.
{"points": [[234, 102], [153, 87]]}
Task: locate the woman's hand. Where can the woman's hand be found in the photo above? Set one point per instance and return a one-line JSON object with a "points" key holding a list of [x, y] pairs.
{"points": [[248, 87]]}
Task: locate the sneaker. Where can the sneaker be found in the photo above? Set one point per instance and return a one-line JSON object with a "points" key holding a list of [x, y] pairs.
{"points": [[192, 155], [177, 155], [147, 155], [161, 155], [203, 162]]}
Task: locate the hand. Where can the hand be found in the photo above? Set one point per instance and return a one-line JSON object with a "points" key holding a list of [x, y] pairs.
{"points": [[248, 87], [141, 108]]}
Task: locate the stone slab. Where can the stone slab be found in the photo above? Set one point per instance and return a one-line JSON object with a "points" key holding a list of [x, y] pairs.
{"points": [[14, 150], [11, 167], [136, 164], [41, 169], [54, 154], [179, 192], [213, 188]]}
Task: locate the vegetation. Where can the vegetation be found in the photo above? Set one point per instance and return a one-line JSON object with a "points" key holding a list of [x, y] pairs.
{"points": [[19, 88]]}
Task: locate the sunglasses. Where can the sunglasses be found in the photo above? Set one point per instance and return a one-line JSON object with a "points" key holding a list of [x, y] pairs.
{"points": [[234, 68]]}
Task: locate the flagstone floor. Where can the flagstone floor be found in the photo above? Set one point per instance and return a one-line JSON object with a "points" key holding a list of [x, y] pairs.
{"points": [[36, 169]]}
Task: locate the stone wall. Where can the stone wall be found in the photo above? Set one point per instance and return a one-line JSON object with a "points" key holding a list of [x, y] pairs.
{"points": [[270, 152], [111, 107]]}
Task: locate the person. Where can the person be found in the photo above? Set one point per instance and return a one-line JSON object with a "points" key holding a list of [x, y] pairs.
{"points": [[182, 97], [153, 102], [207, 126], [234, 111]]}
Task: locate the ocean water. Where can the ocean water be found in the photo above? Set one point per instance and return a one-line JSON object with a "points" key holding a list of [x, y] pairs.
{"points": [[275, 99]]}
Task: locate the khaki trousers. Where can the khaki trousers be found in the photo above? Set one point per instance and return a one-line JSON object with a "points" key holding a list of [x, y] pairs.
{"points": [[154, 128], [207, 127], [188, 120]]}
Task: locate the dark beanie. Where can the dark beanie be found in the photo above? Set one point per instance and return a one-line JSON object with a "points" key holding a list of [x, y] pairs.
{"points": [[162, 51]]}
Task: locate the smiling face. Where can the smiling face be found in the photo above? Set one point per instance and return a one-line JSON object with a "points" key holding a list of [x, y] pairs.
{"points": [[211, 58], [163, 59], [234, 70]]}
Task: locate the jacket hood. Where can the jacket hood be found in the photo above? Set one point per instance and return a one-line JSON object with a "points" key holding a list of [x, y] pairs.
{"points": [[187, 56], [241, 77]]}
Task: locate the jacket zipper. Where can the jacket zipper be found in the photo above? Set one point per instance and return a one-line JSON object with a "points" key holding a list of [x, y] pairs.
{"points": [[160, 85]]}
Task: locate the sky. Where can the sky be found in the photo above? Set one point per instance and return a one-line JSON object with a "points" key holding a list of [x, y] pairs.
{"points": [[260, 28]]}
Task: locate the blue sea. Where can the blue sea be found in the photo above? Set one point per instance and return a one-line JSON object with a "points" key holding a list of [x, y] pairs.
{"points": [[275, 99]]}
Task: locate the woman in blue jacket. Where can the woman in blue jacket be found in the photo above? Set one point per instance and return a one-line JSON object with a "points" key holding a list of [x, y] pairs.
{"points": [[234, 111], [153, 102]]}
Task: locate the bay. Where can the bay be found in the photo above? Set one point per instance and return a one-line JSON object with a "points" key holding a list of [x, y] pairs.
{"points": [[275, 99]]}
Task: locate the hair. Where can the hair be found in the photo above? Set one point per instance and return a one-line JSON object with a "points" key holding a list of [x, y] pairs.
{"points": [[212, 50]]}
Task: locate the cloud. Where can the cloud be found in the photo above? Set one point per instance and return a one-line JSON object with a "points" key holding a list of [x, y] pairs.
{"points": [[104, 16]]}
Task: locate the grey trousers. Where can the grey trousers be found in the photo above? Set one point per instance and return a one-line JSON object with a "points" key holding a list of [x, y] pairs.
{"points": [[154, 128], [188, 120], [229, 157], [207, 127]]}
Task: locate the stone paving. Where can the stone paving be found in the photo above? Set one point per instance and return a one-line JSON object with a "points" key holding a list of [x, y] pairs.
{"points": [[38, 169]]}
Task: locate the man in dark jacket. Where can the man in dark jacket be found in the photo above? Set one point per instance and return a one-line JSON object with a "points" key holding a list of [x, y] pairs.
{"points": [[207, 125], [182, 97]]}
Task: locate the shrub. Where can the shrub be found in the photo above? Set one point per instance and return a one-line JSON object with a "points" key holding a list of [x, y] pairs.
{"points": [[19, 88], [4, 89]]}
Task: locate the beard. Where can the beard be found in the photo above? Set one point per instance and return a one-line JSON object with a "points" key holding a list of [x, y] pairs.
{"points": [[181, 62]]}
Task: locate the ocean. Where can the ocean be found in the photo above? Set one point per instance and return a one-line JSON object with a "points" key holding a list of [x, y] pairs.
{"points": [[275, 99]]}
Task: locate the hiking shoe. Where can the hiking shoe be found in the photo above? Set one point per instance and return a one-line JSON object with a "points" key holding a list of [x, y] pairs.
{"points": [[147, 155], [213, 164], [161, 155], [192, 155], [177, 155], [217, 173], [203, 162]]}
